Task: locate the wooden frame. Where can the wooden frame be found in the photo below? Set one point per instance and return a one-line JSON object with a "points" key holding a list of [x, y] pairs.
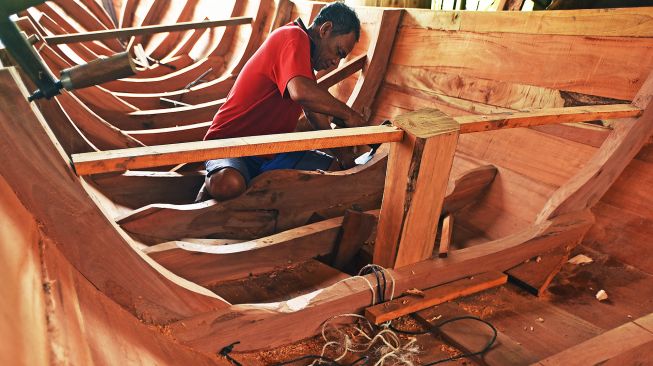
{"points": [[148, 29], [207, 323]]}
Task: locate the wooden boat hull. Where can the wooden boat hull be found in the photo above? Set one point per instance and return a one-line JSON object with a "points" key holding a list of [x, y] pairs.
{"points": [[463, 63]]}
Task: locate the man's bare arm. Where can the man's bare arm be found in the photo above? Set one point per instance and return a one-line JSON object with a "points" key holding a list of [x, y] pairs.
{"points": [[318, 121], [316, 100]]}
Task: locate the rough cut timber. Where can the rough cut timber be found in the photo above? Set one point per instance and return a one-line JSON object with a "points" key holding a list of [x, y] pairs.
{"points": [[418, 172]]}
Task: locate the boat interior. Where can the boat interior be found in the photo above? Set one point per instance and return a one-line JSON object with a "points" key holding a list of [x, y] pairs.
{"points": [[502, 177]]}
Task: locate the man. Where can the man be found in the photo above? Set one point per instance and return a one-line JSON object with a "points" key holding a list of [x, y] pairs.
{"points": [[271, 91]]}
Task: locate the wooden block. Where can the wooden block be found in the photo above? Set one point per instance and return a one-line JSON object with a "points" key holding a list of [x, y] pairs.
{"points": [[446, 236], [356, 229], [536, 274], [434, 296], [415, 186]]}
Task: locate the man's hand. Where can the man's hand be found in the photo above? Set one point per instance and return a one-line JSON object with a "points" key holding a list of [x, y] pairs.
{"points": [[312, 98]]}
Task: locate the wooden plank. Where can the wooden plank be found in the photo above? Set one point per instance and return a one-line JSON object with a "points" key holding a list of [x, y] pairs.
{"points": [[206, 264], [603, 347], [120, 160], [171, 135], [468, 188], [584, 133], [93, 329], [625, 22], [474, 123], [98, 131], [72, 216], [23, 299], [536, 274], [356, 229], [416, 181], [148, 29], [514, 312], [641, 355], [622, 234], [282, 283], [135, 189], [593, 65], [645, 322], [66, 132], [495, 92], [264, 327], [471, 336], [378, 55], [589, 184], [404, 305], [446, 236], [282, 14]]}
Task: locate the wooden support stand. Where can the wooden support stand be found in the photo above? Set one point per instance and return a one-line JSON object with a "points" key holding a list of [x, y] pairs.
{"points": [[356, 229], [415, 185]]}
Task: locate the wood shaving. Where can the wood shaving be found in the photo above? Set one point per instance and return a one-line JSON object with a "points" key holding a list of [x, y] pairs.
{"points": [[580, 260], [601, 295], [415, 292]]}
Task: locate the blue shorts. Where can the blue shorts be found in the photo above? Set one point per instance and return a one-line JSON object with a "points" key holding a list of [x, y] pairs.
{"points": [[251, 166]]}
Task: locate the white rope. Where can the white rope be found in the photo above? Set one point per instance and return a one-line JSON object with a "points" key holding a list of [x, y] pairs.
{"points": [[379, 268], [391, 343]]}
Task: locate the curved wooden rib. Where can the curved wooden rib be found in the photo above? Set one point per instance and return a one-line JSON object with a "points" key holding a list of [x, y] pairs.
{"points": [[265, 325], [39, 174], [275, 201], [127, 13], [161, 44], [171, 135], [99, 132], [237, 52], [84, 19], [206, 264], [174, 80], [587, 187], [135, 189]]}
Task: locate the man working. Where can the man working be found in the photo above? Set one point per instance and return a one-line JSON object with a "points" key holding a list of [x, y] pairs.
{"points": [[275, 85]]}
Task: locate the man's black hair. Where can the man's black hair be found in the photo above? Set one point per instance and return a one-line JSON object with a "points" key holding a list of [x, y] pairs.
{"points": [[344, 19]]}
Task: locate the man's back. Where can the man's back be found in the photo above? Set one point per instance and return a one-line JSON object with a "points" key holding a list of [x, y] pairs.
{"points": [[256, 105]]}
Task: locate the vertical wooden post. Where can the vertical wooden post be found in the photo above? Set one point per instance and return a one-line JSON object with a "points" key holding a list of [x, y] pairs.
{"points": [[446, 236], [415, 185]]}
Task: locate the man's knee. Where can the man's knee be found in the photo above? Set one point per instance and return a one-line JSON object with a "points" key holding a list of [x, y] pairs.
{"points": [[226, 184]]}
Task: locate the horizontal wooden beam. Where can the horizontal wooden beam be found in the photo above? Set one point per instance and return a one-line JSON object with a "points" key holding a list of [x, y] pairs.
{"points": [[152, 156], [150, 29], [545, 116], [405, 305]]}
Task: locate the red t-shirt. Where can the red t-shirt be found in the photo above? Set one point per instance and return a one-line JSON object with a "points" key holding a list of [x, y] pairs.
{"points": [[258, 103]]}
